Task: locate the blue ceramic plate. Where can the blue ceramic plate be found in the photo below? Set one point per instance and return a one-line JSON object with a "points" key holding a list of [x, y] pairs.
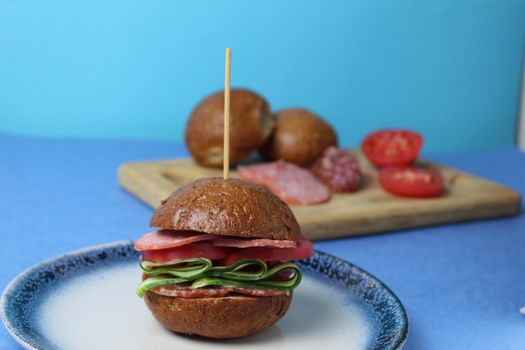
{"points": [[86, 300]]}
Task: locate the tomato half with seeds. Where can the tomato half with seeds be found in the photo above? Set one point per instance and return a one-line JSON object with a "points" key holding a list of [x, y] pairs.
{"points": [[411, 181], [392, 147], [193, 250]]}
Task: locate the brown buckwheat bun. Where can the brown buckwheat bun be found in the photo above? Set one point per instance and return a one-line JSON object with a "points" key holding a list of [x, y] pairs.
{"points": [[232, 207], [300, 137], [251, 125], [218, 318], [251, 219]]}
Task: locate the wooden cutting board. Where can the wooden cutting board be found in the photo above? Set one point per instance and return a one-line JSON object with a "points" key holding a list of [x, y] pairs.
{"points": [[369, 210]]}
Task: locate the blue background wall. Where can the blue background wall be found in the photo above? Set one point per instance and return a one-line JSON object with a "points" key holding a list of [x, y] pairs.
{"points": [[135, 69]]}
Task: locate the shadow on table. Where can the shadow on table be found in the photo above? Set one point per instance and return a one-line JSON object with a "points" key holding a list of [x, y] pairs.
{"points": [[414, 342]]}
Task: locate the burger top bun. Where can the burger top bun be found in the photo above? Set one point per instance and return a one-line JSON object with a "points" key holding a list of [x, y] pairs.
{"points": [[232, 207], [251, 124], [300, 137]]}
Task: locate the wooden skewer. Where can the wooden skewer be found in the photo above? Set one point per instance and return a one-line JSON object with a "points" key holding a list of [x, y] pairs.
{"points": [[226, 147]]}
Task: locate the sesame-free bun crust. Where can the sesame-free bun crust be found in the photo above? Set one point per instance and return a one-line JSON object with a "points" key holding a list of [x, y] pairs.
{"points": [[251, 123], [232, 207], [300, 137], [218, 318]]}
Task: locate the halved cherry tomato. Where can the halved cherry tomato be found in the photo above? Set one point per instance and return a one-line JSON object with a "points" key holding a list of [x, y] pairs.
{"points": [[411, 181], [392, 147], [304, 250], [193, 250]]}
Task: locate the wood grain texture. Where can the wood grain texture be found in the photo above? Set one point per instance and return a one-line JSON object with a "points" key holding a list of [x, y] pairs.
{"points": [[369, 210]]}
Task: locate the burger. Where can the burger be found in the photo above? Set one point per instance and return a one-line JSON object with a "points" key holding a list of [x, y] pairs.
{"points": [[220, 264]]}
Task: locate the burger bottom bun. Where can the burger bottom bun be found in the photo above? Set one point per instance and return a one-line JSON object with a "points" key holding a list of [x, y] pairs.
{"points": [[218, 318]]}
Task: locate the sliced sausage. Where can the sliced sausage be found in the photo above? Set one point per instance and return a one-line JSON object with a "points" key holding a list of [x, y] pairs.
{"points": [[338, 169], [290, 182]]}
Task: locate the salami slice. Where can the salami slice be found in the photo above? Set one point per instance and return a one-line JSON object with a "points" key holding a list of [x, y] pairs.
{"points": [[304, 250], [249, 243], [213, 292], [338, 169], [164, 239], [293, 184], [188, 292]]}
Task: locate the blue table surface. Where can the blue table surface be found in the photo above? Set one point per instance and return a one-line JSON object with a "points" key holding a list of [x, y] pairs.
{"points": [[462, 284]]}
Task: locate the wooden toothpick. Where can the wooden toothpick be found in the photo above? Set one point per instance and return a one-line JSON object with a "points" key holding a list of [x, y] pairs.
{"points": [[226, 147]]}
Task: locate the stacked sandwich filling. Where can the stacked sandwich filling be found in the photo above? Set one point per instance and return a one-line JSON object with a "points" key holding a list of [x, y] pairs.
{"points": [[192, 264]]}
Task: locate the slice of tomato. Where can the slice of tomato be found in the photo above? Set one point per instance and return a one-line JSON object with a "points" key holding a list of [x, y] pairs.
{"points": [[193, 250], [392, 147], [411, 181], [304, 250]]}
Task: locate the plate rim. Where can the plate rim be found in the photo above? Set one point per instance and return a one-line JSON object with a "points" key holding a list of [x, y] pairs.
{"points": [[19, 278], [404, 335]]}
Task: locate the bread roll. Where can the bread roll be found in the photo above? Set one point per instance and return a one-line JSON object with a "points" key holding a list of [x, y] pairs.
{"points": [[300, 137], [218, 318], [251, 124], [232, 207]]}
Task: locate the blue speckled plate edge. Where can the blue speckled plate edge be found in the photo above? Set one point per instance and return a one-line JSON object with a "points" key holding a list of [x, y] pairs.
{"points": [[384, 342], [18, 280], [393, 341]]}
